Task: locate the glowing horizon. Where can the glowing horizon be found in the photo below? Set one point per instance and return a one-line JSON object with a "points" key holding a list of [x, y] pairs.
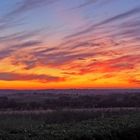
{"points": [[63, 44]]}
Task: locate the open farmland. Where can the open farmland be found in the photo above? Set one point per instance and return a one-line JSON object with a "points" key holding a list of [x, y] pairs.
{"points": [[69, 99], [70, 116]]}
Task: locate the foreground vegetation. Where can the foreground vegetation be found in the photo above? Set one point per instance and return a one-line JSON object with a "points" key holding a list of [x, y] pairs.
{"points": [[70, 116], [41, 127]]}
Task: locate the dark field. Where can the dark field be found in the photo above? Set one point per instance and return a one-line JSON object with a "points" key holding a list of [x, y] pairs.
{"points": [[68, 99], [63, 115]]}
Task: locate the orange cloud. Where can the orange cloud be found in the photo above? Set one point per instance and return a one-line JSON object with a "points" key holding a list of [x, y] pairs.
{"points": [[9, 76]]}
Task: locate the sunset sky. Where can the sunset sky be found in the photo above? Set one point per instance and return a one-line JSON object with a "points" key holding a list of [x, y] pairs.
{"points": [[69, 44]]}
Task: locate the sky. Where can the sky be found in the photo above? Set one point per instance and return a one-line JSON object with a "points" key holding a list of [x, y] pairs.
{"points": [[46, 44]]}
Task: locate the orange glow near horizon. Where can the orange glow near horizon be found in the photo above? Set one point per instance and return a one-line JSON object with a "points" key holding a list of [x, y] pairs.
{"points": [[103, 71]]}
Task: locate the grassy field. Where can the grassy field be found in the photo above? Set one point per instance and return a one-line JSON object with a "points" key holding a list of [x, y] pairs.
{"points": [[65, 125], [70, 117]]}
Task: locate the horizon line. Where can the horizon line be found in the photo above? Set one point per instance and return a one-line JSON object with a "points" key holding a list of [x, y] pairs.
{"points": [[71, 89]]}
